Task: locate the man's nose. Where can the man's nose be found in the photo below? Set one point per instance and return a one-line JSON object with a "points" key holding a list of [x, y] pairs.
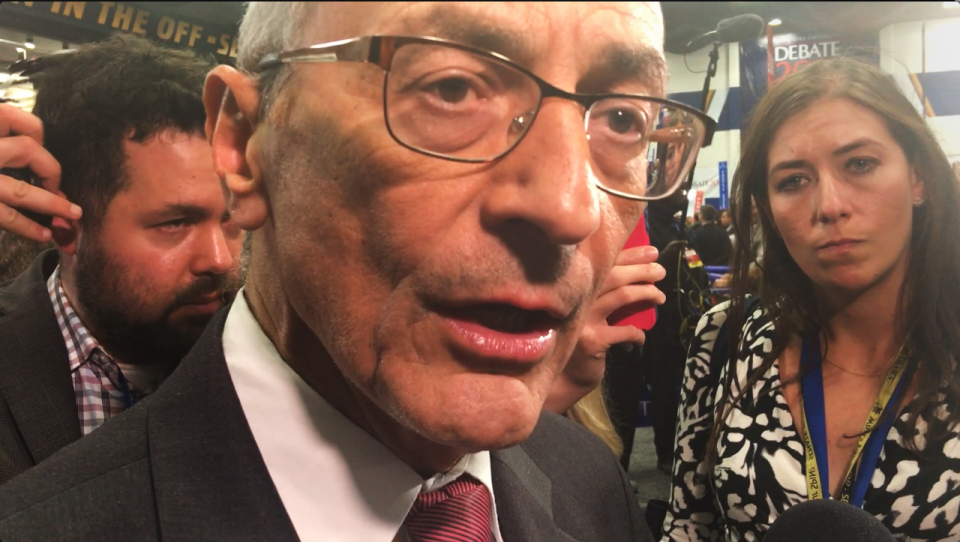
{"points": [[213, 254], [545, 181], [831, 201]]}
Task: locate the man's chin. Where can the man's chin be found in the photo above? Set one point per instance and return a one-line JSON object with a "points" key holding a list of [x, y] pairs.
{"points": [[473, 418]]}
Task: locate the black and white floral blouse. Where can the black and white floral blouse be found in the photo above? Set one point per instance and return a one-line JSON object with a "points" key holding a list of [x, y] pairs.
{"points": [[759, 471]]}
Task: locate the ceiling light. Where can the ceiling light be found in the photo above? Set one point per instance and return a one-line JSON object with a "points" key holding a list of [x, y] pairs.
{"points": [[951, 4], [29, 43], [21, 50], [775, 22]]}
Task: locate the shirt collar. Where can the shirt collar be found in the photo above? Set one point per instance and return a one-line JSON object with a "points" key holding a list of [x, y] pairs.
{"points": [[332, 476], [81, 344]]}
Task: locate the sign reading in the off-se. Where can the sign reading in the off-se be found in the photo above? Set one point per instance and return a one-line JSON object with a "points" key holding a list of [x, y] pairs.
{"points": [[99, 18]]}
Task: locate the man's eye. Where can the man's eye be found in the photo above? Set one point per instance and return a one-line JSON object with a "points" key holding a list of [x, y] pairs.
{"points": [[623, 121], [173, 224], [452, 90]]}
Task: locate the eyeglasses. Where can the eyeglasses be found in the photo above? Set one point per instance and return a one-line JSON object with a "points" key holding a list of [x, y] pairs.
{"points": [[464, 104]]}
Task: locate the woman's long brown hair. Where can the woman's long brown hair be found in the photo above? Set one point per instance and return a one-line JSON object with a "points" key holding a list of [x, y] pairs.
{"points": [[929, 299]]}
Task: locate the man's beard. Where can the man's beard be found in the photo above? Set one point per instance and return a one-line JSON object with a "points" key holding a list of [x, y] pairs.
{"points": [[131, 319]]}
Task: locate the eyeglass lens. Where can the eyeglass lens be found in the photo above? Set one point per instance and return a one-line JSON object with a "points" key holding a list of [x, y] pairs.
{"points": [[457, 104]]}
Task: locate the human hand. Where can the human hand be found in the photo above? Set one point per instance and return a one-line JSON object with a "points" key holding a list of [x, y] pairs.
{"points": [[630, 281], [21, 146]]}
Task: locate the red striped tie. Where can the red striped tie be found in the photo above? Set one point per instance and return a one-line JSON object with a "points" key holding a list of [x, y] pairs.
{"points": [[457, 512]]}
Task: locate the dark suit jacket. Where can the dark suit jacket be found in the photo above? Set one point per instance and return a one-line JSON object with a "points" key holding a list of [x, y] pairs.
{"points": [[38, 407], [712, 244], [183, 465]]}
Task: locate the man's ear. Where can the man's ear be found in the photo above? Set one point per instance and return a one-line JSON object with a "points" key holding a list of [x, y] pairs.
{"points": [[66, 234], [232, 102]]}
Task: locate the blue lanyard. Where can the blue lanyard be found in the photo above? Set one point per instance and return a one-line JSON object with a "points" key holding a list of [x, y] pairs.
{"points": [[816, 427], [128, 399]]}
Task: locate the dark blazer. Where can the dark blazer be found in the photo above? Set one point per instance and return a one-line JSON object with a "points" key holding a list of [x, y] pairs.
{"points": [[183, 465], [38, 407], [712, 244]]}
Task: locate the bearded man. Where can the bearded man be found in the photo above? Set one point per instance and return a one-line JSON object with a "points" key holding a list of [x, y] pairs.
{"points": [[96, 324]]}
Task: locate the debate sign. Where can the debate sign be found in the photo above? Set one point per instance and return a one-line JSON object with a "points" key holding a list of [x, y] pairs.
{"points": [[761, 65]]}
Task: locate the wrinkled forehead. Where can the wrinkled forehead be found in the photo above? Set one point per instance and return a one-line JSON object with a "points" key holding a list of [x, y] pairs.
{"points": [[599, 41]]}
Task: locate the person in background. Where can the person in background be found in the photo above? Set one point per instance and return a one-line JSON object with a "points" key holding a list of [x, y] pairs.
{"points": [[662, 222], [431, 225], [685, 291], [727, 224], [841, 380], [17, 253], [693, 224], [96, 324], [711, 241], [591, 412], [595, 387]]}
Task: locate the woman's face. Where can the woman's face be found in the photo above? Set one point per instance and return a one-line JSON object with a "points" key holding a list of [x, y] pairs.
{"points": [[725, 219], [841, 195]]}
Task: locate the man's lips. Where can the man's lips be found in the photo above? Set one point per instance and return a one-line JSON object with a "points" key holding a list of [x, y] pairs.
{"points": [[208, 303], [205, 300], [501, 333]]}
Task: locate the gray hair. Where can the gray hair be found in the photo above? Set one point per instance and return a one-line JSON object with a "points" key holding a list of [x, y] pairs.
{"points": [[270, 27]]}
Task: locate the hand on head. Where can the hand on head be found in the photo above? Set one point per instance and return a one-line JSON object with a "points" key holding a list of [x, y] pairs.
{"points": [[21, 146]]}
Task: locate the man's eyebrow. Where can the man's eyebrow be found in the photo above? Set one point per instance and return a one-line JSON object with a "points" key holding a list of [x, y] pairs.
{"points": [[462, 26], [181, 210], [620, 64]]}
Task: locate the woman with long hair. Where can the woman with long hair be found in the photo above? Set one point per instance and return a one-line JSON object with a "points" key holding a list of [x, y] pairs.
{"points": [[839, 380]]}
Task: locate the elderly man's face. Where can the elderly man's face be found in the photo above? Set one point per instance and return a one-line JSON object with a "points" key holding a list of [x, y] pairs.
{"points": [[450, 294]]}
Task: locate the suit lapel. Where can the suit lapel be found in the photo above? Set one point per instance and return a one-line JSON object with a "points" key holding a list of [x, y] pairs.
{"points": [[210, 480], [524, 499], [34, 365]]}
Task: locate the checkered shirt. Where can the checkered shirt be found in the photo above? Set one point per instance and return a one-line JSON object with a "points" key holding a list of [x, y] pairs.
{"points": [[95, 374]]}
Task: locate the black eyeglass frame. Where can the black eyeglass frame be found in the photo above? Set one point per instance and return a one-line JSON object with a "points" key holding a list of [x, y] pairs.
{"points": [[379, 50]]}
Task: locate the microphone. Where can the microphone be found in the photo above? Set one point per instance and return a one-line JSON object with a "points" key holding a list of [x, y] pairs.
{"points": [[739, 28], [827, 520]]}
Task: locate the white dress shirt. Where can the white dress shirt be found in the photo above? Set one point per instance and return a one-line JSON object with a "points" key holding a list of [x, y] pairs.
{"points": [[337, 482]]}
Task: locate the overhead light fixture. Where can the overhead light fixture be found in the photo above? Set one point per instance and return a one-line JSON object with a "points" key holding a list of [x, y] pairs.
{"points": [[21, 50], [29, 43], [775, 22], [951, 4]]}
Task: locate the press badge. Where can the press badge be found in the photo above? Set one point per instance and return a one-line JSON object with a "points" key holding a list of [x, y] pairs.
{"points": [[693, 260]]}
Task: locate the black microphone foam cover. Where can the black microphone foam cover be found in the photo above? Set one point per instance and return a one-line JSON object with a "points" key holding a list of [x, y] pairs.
{"points": [[740, 28], [827, 521]]}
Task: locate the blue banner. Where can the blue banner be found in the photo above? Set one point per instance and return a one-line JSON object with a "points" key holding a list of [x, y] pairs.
{"points": [[724, 189]]}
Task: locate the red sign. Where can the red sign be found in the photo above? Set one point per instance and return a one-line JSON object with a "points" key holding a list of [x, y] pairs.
{"points": [[698, 202]]}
